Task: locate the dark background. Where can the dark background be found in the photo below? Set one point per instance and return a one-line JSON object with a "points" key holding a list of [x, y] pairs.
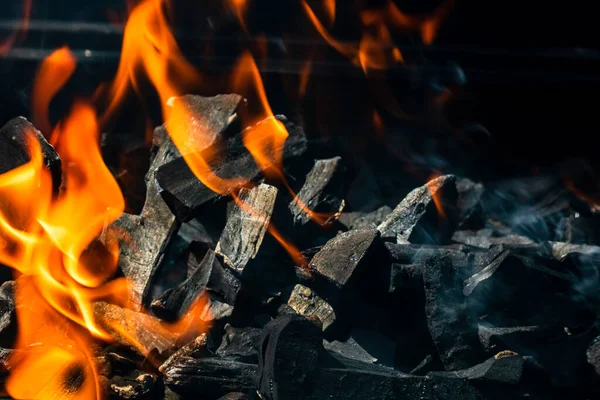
{"points": [[529, 101]]}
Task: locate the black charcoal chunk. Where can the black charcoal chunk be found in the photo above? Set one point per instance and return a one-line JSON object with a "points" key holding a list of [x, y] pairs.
{"points": [[14, 148], [486, 273], [505, 367], [359, 220], [593, 354], [510, 338], [350, 349], [213, 377], [7, 310], [426, 215], [240, 344], [290, 349], [321, 194], [469, 202], [305, 302], [246, 226], [186, 194], [453, 332]]}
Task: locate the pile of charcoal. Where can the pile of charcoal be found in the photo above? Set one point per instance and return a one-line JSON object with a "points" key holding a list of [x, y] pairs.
{"points": [[453, 293]]}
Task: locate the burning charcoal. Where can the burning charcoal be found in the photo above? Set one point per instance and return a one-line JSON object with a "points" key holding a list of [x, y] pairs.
{"points": [[208, 275], [343, 260], [194, 348], [240, 344], [137, 385], [426, 214], [495, 339], [186, 194], [290, 349], [5, 355], [322, 192], [7, 308], [148, 233], [593, 355], [14, 150], [141, 328], [213, 377], [505, 367], [306, 303], [235, 396], [246, 226], [446, 312], [360, 220], [350, 349]]}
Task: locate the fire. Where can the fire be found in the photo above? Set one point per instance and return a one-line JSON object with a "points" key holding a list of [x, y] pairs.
{"points": [[52, 75], [7, 43], [436, 195]]}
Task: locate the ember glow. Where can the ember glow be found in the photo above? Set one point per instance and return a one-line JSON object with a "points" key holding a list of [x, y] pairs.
{"points": [[64, 256]]}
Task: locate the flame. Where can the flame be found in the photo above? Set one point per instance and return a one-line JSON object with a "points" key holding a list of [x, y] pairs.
{"points": [[436, 195], [52, 75], [239, 8], [329, 7], [19, 33]]}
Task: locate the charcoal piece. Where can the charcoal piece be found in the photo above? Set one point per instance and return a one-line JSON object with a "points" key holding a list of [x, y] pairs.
{"points": [[193, 348], [360, 220], [235, 396], [446, 312], [208, 275], [136, 385], [377, 344], [510, 338], [426, 214], [405, 278], [430, 363], [240, 344], [505, 367], [14, 148], [147, 234], [246, 226], [290, 349], [306, 303], [7, 309], [322, 193], [213, 377], [142, 329], [471, 283], [593, 354], [349, 349], [484, 239], [216, 309], [186, 194], [340, 261]]}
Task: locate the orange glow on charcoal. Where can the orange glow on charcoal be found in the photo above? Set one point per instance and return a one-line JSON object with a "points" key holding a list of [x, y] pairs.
{"points": [[7, 43], [436, 196], [53, 73]]}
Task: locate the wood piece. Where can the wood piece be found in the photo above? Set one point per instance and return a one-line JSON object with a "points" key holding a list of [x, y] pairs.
{"points": [[322, 192], [240, 344], [213, 377], [186, 194], [208, 275], [505, 367], [446, 312], [359, 220], [141, 329], [416, 219], [306, 303], [14, 149], [290, 349], [246, 226], [134, 385], [340, 261]]}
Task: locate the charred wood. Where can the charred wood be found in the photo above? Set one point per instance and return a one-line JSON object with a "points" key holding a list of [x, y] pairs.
{"points": [[321, 194], [240, 344], [246, 226], [186, 194]]}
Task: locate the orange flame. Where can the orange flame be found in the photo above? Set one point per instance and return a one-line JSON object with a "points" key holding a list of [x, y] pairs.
{"points": [[437, 195], [20, 32], [52, 75], [329, 6]]}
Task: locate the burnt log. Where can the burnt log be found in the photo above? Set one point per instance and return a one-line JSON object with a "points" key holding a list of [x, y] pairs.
{"points": [[186, 194], [426, 215], [291, 346], [209, 275], [321, 194], [240, 344], [448, 318], [246, 226], [213, 377], [306, 303], [15, 149]]}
